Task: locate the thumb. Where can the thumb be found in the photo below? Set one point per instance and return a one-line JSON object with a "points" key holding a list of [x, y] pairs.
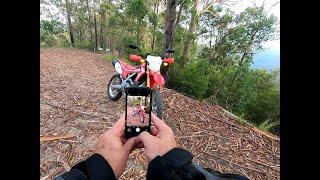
{"points": [[154, 131], [130, 145], [144, 137]]}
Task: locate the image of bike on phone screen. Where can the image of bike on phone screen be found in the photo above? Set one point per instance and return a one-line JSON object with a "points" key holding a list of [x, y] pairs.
{"points": [[139, 111]]}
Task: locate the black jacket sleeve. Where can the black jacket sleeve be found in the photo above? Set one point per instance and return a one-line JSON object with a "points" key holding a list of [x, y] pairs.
{"points": [[177, 164], [95, 167]]}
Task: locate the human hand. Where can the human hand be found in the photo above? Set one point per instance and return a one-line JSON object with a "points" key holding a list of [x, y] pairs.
{"points": [[160, 142], [114, 148]]}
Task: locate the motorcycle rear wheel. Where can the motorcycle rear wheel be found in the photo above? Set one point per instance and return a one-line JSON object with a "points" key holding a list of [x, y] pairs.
{"points": [[114, 94]]}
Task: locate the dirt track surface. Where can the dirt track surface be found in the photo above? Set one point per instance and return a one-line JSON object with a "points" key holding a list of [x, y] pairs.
{"points": [[72, 102]]}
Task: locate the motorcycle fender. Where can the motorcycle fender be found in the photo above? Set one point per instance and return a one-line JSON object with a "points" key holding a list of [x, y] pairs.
{"points": [[158, 78], [117, 66]]}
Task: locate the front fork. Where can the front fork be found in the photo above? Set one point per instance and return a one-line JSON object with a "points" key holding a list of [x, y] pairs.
{"points": [[148, 78]]}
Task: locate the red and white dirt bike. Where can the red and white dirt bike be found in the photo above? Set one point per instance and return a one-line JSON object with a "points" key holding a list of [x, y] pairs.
{"points": [[146, 74], [139, 110]]}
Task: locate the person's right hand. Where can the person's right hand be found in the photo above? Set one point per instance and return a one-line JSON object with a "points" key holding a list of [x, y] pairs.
{"points": [[160, 142]]}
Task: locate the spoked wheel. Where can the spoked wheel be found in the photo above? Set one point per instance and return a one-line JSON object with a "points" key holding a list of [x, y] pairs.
{"points": [[157, 104], [113, 93]]}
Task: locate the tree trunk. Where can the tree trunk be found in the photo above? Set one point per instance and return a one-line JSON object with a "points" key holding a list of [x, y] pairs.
{"points": [[78, 23], [191, 34], [177, 20], [169, 24], [106, 37], [90, 26], [80, 30], [156, 8], [138, 33], [69, 23], [102, 28], [95, 29], [244, 55], [169, 30], [152, 44]]}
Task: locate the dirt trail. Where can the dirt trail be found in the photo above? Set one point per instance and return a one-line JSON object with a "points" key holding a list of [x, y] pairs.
{"points": [[72, 100]]}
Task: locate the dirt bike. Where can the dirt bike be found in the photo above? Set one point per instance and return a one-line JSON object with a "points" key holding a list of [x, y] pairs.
{"points": [[146, 74], [139, 110]]}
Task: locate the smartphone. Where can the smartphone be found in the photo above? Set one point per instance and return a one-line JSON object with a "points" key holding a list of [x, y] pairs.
{"points": [[138, 110]]}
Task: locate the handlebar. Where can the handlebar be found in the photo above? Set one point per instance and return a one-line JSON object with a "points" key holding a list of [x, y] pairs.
{"points": [[136, 58], [168, 51]]}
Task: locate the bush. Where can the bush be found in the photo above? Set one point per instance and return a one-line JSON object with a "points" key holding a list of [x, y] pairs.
{"points": [[83, 45], [252, 94], [192, 79], [46, 39], [269, 125], [52, 34], [260, 99], [62, 41]]}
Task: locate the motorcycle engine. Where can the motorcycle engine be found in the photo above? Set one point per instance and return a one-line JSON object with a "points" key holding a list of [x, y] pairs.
{"points": [[141, 80]]}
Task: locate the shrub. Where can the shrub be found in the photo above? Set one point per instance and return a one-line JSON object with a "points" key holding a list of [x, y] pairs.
{"points": [[253, 94], [192, 79], [268, 125]]}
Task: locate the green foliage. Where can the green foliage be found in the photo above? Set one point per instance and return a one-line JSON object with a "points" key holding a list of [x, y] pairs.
{"points": [[83, 45], [52, 33], [236, 35], [153, 18], [241, 119], [137, 9], [254, 96], [268, 125], [52, 27], [192, 79], [108, 57]]}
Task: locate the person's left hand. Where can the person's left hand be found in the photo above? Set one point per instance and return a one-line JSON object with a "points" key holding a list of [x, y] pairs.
{"points": [[114, 148]]}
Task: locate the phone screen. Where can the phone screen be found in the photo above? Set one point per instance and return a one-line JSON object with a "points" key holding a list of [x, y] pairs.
{"points": [[138, 111]]}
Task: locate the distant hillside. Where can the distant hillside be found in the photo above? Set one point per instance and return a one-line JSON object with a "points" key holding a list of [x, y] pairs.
{"points": [[268, 59]]}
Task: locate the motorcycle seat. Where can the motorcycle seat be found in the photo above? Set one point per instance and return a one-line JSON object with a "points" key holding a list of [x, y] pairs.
{"points": [[128, 66]]}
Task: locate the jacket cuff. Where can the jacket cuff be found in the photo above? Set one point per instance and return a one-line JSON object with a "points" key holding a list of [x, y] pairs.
{"points": [[163, 167], [72, 174], [99, 168], [95, 167], [177, 157]]}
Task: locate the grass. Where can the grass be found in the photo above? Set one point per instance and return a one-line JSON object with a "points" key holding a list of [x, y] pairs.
{"points": [[109, 57], [267, 125], [240, 118]]}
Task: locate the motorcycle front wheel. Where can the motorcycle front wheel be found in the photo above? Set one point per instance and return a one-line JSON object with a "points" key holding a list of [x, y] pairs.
{"points": [[112, 93], [157, 104]]}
